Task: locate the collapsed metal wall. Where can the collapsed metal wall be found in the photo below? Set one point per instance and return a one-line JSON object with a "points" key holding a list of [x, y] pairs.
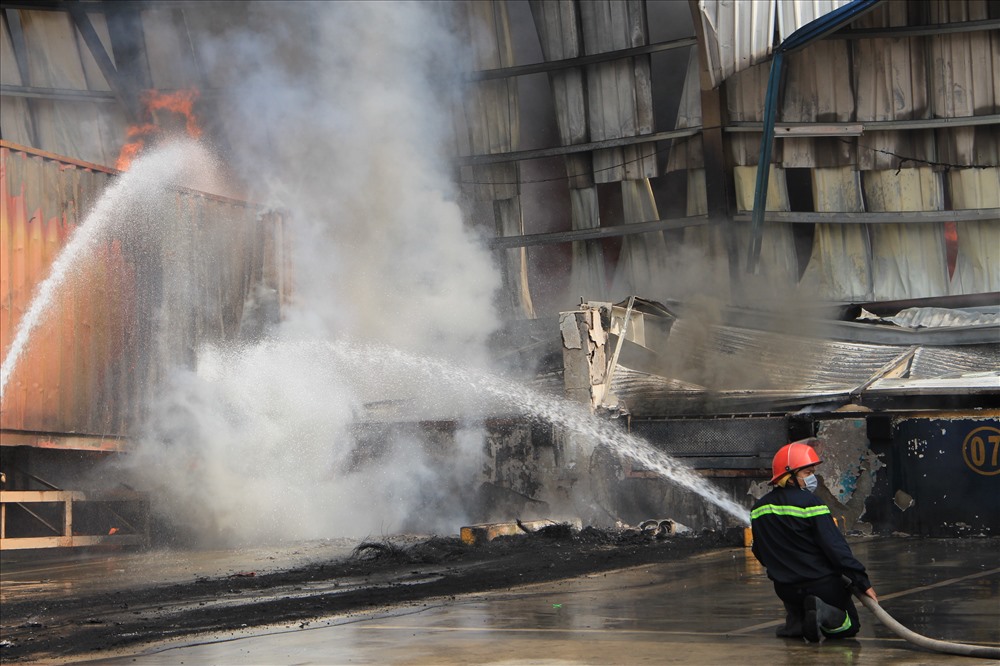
{"points": [[142, 303]]}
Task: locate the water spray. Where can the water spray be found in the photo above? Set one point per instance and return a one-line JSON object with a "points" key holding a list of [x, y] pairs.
{"points": [[150, 175], [556, 410]]}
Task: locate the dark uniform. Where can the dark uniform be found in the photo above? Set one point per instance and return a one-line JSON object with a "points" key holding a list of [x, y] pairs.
{"points": [[796, 540]]}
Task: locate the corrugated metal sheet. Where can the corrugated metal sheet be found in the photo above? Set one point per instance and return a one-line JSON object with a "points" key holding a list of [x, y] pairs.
{"points": [[723, 369], [642, 263], [839, 267], [779, 263], [729, 358], [891, 83], [942, 317], [818, 88], [619, 93], [488, 121], [135, 308], [977, 265], [934, 362], [56, 383], [741, 34], [559, 34], [907, 259]]}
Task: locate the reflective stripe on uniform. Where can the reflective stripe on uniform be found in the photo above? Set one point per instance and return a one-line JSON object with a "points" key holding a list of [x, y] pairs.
{"points": [[795, 511], [844, 627]]}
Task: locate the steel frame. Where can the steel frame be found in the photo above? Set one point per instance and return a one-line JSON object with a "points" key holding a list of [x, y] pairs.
{"points": [[64, 537]]}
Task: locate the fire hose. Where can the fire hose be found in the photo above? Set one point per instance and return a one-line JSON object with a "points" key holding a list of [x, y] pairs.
{"points": [[932, 644]]}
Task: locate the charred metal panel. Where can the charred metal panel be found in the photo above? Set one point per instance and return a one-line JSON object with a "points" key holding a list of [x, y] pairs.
{"points": [[944, 476], [729, 443]]}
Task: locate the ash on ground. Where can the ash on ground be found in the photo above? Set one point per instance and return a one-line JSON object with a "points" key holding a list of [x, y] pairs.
{"points": [[376, 575]]}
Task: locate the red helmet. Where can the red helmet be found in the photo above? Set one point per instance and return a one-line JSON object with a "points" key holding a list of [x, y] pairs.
{"points": [[792, 457]]}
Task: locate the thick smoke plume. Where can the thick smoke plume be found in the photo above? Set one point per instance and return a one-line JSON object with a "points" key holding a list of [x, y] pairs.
{"points": [[340, 119]]}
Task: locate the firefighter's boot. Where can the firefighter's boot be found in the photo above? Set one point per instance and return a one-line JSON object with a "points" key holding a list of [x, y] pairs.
{"points": [[822, 620], [793, 622]]}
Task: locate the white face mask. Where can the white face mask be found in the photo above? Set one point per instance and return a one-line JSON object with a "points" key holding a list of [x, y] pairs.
{"points": [[811, 483]]}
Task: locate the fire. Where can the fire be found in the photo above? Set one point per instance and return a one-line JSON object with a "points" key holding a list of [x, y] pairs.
{"points": [[164, 113]]}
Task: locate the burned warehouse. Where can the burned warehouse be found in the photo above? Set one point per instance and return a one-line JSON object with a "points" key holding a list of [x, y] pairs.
{"points": [[602, 232], [307, 272]]}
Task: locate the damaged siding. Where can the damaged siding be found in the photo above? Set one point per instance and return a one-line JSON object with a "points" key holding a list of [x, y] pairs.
{"points": [[943, 476], [867, 79], [108, 340]]}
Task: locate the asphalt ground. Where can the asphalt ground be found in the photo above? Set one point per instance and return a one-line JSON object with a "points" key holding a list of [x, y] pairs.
{"points": [[710, 608]]}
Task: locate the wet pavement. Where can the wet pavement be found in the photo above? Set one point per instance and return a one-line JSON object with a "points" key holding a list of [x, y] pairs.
{"points": [[715, 608], [26, 575]]}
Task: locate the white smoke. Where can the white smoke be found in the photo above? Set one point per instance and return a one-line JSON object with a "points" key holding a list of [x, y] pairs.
{"points": [[341, 119], [348, 103]]}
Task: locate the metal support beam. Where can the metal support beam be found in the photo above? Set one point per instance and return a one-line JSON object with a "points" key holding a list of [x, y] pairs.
{"points": [[857, 128], [905, 217], [810, 32], [559, 151], [62, 442], [123, 92], [556, 237], [62, 94], [581, 61], [20, 47], [918, 30]]}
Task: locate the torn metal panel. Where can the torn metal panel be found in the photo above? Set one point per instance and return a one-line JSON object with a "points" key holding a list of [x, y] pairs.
{"points": [[691, 366], [739, 35], [971, 383], [686, 153], [727, 358], [940, 317]]}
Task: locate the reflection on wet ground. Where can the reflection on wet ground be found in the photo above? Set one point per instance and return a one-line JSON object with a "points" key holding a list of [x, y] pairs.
{"points": [[27, 575], [715, 608]]}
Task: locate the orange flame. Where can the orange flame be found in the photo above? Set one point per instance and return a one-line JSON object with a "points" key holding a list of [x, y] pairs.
{"points": [[179, 104]]}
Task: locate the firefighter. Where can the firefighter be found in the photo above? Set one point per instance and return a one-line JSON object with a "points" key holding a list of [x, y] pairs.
{"points": [[806, 557]]}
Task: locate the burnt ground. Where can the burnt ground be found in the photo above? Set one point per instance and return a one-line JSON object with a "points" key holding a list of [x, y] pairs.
{"points": [[377, 576]]}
